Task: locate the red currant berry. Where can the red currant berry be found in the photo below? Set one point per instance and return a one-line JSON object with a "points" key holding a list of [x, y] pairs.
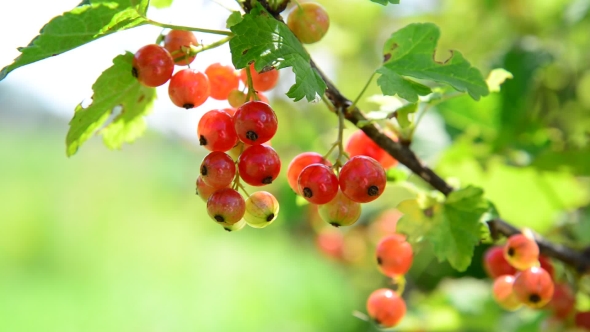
{"points": [[362, 179], [521, 251], [262, 208], [218, 170], [340, 211], [259, 165], [503, 293], [226, 206], [533, 287], [188, 88], [386, 308], [582, 320], [222, 80], [261, 81], [204, 190], [359, 144], [299, 163], [495, 264], [216, 131], [152, 65], [318, 184], [178, 43], [563, 301], [394, 255], [255, 122], [309, 22]]}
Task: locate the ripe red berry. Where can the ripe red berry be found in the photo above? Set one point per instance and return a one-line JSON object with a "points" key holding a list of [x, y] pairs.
{"points": [[582, 320], [563, 301], [359, 144], [259, 165], [299, 163], [216, 131], [255, 122], [178, 43], [362, 179], [309, 21], [521, 251], [218, 170], [533, 287], [340, 211], [495, 264], [152, 65], [503, 292], [394, 255], [188, 88], [222, 80], [386, 308], [262, 208], [318, 184], [261, 81], [204, 190], [226, 206]]}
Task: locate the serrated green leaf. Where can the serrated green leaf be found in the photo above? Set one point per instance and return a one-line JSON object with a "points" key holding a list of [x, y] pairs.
{"points": [[453, 228], [403, 114], [386, 2], [233, 19], [393, 84], [161, 3], [410, 52], [496, 77], [261, 38], [115, 88], [77, 27]]}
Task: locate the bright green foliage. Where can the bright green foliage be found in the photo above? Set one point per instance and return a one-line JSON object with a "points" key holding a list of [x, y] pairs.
{"points": [[391, 84], [386, 2], [83, 24], [233, 19], [453, 227], [115, 87], [268, 42], [161, 3], [411, 50], [403, 114]]}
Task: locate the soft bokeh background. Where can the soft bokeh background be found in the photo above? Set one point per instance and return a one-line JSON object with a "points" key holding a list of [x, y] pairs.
{"points": [[117, 240]]}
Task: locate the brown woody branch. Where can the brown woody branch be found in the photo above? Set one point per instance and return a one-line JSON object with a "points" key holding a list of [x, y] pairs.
{"points": [[402, 152]]}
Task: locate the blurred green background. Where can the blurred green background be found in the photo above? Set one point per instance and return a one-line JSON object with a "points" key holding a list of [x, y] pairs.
{"points": [[117, 240]]}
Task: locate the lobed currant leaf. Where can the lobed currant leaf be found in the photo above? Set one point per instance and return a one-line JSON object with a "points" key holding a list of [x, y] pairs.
{"points": [[410, 51], [392, 84], [83, 24], [233, 19], [269, 43], [452, 227], [115, 87]]}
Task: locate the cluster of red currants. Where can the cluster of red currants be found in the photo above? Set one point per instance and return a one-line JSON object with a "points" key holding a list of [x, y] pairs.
{"points": [[522, 276], [244, 132], [153, 65], [394, 258]]}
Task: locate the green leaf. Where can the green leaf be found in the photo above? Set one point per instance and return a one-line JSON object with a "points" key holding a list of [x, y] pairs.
{"points": [[453, 228], [233, 19], [393, 84], [403, 113], [410, 52], [386, 2], [496, 77], [115, 88], [161, 3], [77, 27], [261, 38]]}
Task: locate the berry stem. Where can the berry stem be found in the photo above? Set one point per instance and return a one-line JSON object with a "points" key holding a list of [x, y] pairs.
{"points": [[182, 27], [360, 95], [251, 92], [194, 50]]}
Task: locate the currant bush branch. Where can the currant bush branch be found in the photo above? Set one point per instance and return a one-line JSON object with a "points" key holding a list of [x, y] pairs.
{"points": [[403, 153]]}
